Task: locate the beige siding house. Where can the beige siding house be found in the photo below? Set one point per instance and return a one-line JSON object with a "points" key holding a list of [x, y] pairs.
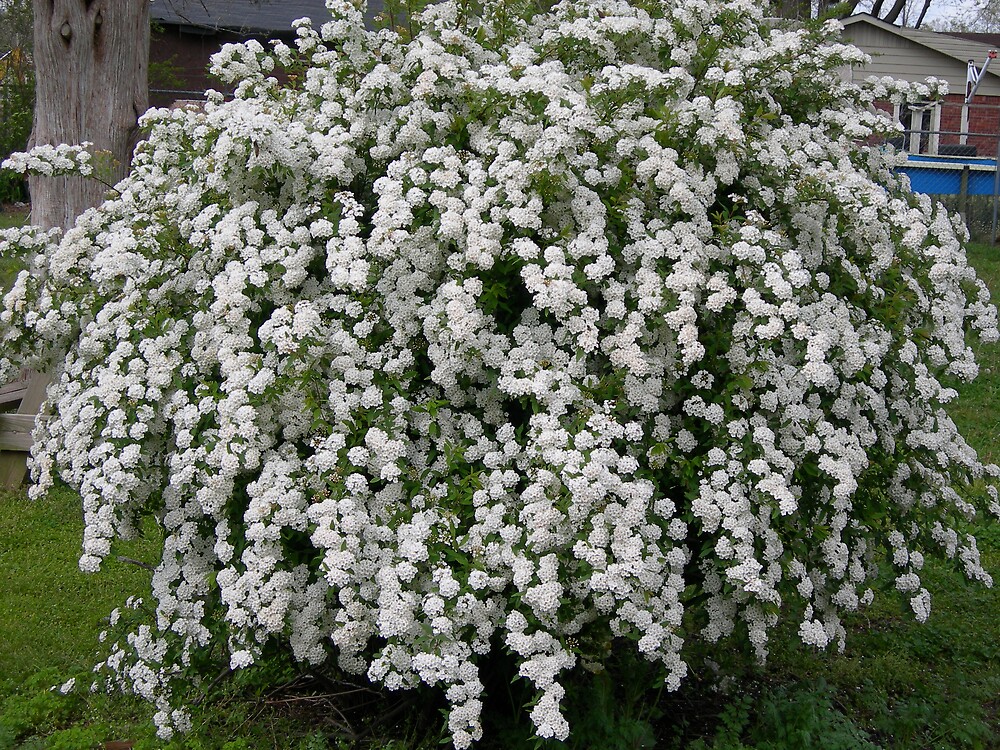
{"points": [[948, 126], [914, 55]]}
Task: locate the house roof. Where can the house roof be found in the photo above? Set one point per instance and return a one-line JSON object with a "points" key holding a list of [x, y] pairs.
{"points": [[248, 16], [976, 36], [952, 45]]}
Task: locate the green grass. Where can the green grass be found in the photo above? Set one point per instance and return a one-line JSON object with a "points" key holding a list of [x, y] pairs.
{"points": [[50, 617], [906, 684], [50, 612], [977, 411], [14, 218]]}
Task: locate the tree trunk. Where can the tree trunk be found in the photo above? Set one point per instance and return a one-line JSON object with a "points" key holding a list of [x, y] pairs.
{"points": [[800, 10], [923, 12], [91, 62], [894, 12]]}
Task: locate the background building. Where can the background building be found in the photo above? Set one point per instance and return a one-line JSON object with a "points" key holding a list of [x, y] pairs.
{"points": [[186, 33]]}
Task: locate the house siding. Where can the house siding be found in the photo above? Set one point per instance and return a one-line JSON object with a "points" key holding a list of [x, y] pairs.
{"points": [[185, 57]]}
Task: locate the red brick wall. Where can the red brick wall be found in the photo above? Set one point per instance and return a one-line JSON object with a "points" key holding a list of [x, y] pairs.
{"points": [[984, 120]]}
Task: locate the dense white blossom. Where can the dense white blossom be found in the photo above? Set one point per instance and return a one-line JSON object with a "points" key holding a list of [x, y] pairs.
{"points": [[52, 160], [529, 337]]}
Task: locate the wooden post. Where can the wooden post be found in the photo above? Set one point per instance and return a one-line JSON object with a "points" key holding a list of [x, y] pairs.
{"points": [[916, 129], [935, 136]]}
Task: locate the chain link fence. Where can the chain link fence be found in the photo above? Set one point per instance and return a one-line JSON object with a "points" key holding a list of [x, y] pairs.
{"points": [[952, 154]]}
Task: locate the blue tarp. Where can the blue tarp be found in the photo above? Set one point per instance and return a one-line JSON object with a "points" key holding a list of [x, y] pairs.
{"points": [[926, 177]]}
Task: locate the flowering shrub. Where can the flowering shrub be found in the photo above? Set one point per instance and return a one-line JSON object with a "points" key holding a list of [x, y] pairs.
{"points": [[523, 335]]}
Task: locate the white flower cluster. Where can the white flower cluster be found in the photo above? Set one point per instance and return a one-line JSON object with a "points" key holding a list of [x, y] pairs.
{"points": [[52, 160], [533, 337]]}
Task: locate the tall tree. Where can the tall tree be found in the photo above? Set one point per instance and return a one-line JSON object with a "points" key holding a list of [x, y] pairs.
{"points": [[902, 12], [17, 88], [91, 61], [982, 16], [15, 25]]}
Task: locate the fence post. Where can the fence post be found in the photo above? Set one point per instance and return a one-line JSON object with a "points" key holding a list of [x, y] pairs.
{"points": [[963, 194], [934, 142], [996, 193]]}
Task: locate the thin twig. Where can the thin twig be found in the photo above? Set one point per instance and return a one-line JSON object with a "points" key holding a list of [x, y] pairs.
{"points": [[318, 696], [132, 561], [384, 718], [343, 725], [204, 693]]}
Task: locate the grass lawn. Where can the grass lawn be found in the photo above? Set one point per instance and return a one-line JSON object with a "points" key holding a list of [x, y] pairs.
{"points": [[898, 685], [12, 217], [51, 614], [977, 412], [39, 547]]}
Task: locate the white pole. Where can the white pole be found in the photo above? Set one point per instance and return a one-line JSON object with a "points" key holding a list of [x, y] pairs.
{"points": [[916, 128], [935, 137], [972, 78]]}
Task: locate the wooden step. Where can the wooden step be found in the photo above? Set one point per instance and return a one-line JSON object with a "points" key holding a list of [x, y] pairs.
{"points": [[15, 432]]}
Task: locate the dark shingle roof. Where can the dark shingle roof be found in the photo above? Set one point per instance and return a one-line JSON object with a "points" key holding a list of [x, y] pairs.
{"points": [[248, 16], [991, 39]]}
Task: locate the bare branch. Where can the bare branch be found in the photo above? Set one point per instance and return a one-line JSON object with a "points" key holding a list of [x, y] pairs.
{"points": [[923, 12], [131, 561]]}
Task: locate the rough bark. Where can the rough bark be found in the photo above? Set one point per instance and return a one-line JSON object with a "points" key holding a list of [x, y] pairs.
{"points": [[91, 61]]}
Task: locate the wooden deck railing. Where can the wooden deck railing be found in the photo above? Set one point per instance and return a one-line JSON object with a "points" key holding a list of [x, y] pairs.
{"points": [[19, 404]]}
